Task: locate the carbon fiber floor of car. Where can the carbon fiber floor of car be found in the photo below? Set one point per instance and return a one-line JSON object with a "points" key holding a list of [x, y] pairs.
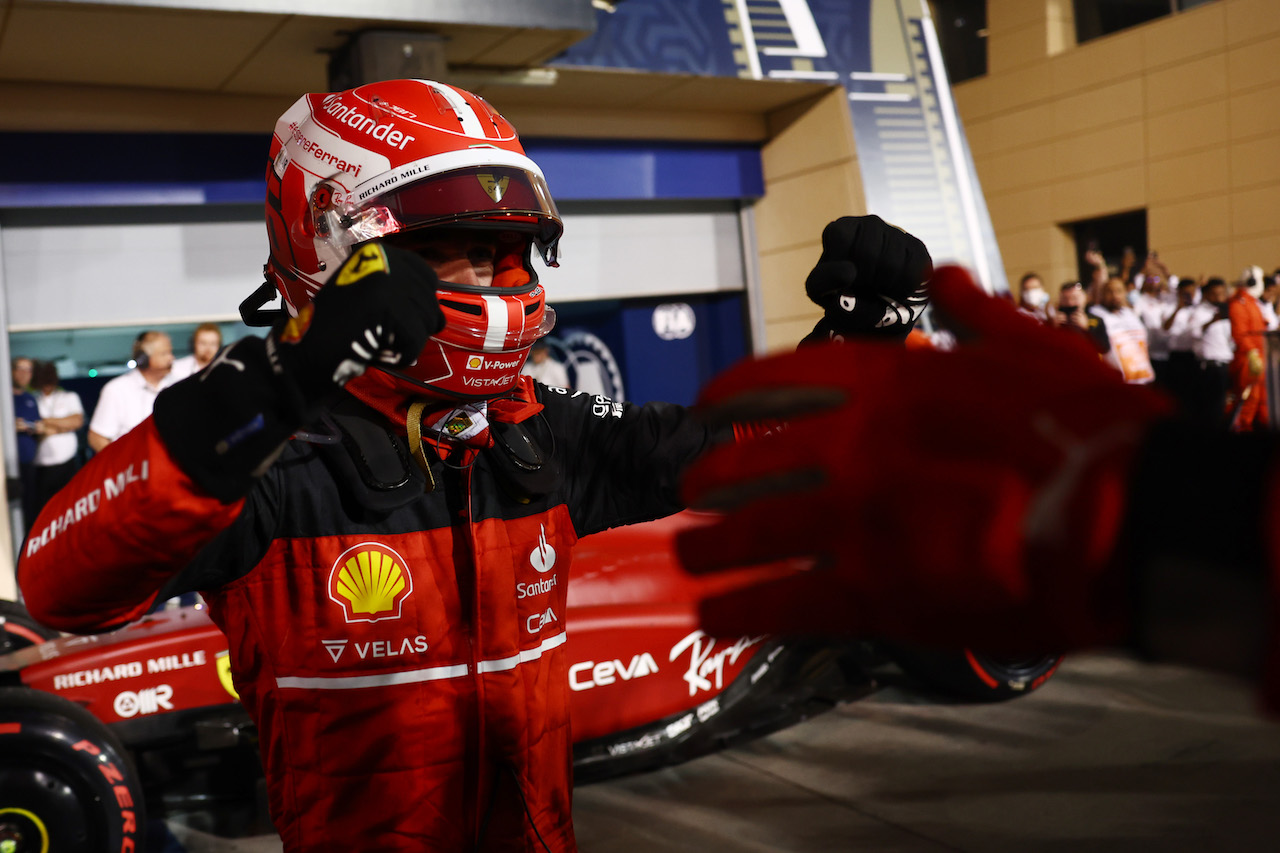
{"points": [[1110, 756]]}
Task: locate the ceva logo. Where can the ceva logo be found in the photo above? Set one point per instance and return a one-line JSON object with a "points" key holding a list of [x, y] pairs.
{"points": [[370, 582], [538, 621], [589, 674]]}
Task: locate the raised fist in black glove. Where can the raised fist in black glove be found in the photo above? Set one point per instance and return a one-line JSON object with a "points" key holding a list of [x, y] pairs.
{"points": [[225, 425], [870, 280], [378, 308]]}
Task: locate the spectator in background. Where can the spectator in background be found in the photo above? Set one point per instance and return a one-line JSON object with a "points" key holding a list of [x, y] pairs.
{"points": [[1154, 307], [1182, 378], [1098, 275], [1155, 270], [1270, 292], [545, 369], [126, 400], [1126, 336], [1248, 365], [25, 415], [1211, 341], [61, 414], [1033, 299], [206, 340], [1072, 300]]}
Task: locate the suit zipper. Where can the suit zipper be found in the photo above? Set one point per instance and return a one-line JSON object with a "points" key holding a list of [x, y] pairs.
{"points": [[473, 641]]}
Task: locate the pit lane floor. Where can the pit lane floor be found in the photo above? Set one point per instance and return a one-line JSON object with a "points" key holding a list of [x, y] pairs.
{"points": [[1110, 756]]}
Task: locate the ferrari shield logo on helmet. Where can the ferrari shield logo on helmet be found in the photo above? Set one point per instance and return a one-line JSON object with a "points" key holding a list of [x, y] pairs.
{"points": [[370, 583], [494, 187]]}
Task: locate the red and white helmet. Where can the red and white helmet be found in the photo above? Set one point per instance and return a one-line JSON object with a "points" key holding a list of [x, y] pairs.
{"points": [[400, 156]]}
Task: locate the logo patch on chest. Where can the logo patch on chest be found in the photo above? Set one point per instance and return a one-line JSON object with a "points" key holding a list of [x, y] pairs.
{"points": [[370, 582]]}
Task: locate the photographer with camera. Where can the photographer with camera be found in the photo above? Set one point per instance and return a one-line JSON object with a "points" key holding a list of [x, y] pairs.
{"points": [[1072, 301]]}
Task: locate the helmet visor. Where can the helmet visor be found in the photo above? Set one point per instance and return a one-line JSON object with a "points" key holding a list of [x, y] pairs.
{"points": [[507, 196]]}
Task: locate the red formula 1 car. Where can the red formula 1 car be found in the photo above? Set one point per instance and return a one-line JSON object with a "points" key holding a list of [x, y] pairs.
{"points": [[96, 731]]}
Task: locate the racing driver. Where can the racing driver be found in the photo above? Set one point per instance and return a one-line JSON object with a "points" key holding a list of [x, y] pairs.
{"points": [[367, 539]]}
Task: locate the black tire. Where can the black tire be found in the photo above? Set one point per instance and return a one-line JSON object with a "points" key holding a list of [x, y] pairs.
{"points": [[66, 783], [18, 630], [974, 676]]}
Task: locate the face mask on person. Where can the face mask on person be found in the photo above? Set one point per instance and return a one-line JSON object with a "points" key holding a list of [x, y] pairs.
{"points": [[1253, 275], [1036, 298]]}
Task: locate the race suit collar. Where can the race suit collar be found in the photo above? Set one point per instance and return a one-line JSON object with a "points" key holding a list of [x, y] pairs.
{"points": [[388, 396]]}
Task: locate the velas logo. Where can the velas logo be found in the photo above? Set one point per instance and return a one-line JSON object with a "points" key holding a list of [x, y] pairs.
{"points": [[370, 582]]}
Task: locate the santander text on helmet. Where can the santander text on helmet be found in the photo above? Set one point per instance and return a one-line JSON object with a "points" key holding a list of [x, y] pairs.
{"points": [[356, 120]]}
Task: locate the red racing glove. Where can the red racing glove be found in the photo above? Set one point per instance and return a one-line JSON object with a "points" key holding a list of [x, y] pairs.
{"points": [[974, 497]]}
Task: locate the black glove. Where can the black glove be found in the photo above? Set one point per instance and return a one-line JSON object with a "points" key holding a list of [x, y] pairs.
{"points": [[225, 425], [870, 280], [379, 308]]}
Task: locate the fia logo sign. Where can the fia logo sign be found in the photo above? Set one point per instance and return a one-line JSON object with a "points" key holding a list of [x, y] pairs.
{"points": [[674, 321]]}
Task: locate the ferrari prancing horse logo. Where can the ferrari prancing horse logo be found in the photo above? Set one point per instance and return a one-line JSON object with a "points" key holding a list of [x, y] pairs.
{"points": [[368, 259], [495, 188]]}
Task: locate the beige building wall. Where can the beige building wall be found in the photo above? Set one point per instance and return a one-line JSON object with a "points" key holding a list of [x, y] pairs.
{"points": [[811, 177], [1180, 116]]}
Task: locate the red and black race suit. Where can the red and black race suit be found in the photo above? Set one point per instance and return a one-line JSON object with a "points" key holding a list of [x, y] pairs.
{"points": [[406, 668]]}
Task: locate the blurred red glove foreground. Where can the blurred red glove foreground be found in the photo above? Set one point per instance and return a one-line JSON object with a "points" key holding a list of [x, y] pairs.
{"points": [[979, 497]]}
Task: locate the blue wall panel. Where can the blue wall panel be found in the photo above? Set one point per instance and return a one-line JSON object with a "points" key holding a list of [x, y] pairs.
{"points": [[51, 170], [675, 370]]}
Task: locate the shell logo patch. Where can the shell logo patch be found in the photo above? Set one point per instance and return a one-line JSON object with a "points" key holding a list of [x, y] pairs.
{"points": [[367, 260], [475, 362], [370, 582]]}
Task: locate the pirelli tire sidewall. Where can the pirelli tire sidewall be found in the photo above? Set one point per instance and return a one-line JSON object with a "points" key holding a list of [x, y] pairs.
{"points": [[64, 773], [973, 676], [18, 630]]}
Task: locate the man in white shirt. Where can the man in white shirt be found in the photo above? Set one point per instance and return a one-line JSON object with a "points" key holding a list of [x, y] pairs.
{"points": [[61, 414], [1125, 334], [126, 400], [1210, 328], [206, 340], [545, 369], [1270, 287], [1184, 364], [1154, 306]]}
